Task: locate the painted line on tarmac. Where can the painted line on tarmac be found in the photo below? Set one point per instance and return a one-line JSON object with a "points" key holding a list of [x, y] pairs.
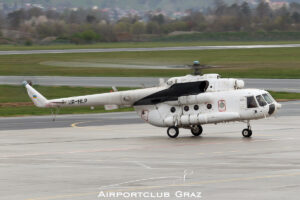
{"points": [[102, 128], [273, 150], [180, 48], [75, 125], [218, 152], [141, 164], [217, 181]]}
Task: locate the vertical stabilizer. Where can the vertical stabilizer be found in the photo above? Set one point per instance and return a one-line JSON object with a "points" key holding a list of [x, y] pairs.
{"points": [[38, 99]]}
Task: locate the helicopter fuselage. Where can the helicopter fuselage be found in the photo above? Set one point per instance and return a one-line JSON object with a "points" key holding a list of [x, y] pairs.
{"points": [[188, 102], [213, 107]]}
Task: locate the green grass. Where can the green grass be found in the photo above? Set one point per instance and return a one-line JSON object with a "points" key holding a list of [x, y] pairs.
{"points": [[285, 95], [140, 45], [243, 63], [9, 93], [17, 94]]}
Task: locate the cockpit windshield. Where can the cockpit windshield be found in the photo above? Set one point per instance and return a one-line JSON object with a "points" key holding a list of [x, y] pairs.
{"points": [[261, 100], [268, 98]]}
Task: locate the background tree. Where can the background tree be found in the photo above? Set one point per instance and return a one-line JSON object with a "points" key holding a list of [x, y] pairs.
{"points": [[295, 17], [91, 19], [16, 18], [263, 10], [195, 21], [34, 12], [122, 27], [2, 21], [138, 28], [153, 28], [245, 16], [160, 19], [90, 25]]}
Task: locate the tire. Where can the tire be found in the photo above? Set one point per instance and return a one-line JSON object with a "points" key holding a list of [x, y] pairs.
{"points": [[247, 133], [197, 130], [173, 132]]}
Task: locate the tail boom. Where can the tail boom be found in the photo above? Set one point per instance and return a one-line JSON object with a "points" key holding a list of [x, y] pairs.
{"points": [[123, 98]]}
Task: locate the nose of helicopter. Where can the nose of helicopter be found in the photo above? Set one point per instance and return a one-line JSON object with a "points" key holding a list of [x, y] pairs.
{"points": [[278, 106], [273, 108]]}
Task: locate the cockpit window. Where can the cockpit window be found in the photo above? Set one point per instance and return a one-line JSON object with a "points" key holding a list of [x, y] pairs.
{"points": [[267, 98], [271, 97], [261, 100], [251, 103]]}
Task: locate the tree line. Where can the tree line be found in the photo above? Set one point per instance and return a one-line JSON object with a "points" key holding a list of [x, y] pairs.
{"points": [[87, 25]]}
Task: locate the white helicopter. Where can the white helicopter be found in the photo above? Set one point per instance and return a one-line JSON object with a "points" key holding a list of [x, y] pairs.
{"points": [[181, 102]]}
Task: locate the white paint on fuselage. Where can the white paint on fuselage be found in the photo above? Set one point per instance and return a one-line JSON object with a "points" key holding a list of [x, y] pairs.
{"points": [[227, 99], [235, 110]]}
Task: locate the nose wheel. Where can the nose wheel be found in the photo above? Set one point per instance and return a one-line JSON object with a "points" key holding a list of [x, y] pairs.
{"points": [[196, 130], [247, 132], [173, 132]]}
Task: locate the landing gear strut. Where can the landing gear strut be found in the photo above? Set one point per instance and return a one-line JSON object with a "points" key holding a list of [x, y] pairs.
{"points": [[247, 132], [196, 130], [173, 132]]}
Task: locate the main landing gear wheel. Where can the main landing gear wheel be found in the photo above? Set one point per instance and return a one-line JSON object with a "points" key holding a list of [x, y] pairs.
{"points": [[197, 130], [247, 133], [173, 132]]}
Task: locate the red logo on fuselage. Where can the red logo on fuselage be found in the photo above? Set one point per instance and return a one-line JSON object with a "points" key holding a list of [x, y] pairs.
{"points": [[222, 105]]}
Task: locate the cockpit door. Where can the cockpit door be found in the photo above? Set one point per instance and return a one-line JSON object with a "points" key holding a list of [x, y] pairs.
{"points": [[243, 103], [249, 107]]}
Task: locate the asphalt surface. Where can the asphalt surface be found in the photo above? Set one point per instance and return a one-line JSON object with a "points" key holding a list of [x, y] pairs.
{"points": [[81, 81], [78, 162], [288, 85], [23, 52], [78, 156]]}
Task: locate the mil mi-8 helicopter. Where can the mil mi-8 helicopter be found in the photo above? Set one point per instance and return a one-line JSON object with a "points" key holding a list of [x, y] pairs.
{"points": [[181, 102]]}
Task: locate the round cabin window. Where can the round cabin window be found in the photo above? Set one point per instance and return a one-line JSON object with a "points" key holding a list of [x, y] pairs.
{"points": [[196, 107], [209, 106], [186, 108], [173, 109]]}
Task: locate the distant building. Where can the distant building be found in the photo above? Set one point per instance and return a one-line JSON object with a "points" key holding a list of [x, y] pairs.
{"points": [[277, 4]]}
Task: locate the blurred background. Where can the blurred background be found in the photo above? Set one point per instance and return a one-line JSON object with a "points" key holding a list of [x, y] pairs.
{"points": [[45, 27], [30, 22]]}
